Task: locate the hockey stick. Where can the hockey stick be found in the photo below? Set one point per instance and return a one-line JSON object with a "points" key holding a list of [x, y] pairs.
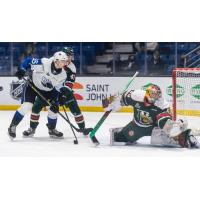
{"points": [[85, 131], [106, 114], [75, 141], [50, 104]]}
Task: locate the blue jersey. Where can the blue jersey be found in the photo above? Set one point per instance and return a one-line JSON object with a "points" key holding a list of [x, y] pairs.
{"points": [[29, 62]]}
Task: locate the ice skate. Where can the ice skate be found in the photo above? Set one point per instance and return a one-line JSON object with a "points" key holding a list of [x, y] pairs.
{"points": [[12, 132], [53, 133], [29, 133]]}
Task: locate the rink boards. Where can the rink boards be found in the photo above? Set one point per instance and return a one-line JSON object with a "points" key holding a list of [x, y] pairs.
{"points": [[89, 91]]}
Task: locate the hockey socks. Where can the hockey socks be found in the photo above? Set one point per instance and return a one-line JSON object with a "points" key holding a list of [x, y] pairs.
{"points": [[17, 118]]}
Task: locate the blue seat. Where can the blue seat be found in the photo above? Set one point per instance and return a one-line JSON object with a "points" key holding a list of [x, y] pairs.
{"points": [[192, 45], [89, 53], [182, 48], [76, 48], [2, 51], [164, 57], [99, 48], [172, 59]]}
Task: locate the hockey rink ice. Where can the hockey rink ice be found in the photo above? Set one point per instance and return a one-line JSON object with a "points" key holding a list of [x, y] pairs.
{"points": [[42, 145]]}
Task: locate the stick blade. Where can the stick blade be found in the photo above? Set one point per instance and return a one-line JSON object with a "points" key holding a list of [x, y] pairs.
{"points": [[95, 141]]}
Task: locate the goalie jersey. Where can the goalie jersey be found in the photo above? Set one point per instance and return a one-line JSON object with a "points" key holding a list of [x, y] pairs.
{"points": [[146, 115]]}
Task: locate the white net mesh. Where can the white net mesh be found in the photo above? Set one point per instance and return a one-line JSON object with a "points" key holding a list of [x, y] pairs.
{"points": [[186, 97]]}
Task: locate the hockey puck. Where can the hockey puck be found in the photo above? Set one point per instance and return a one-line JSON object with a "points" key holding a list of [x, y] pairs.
{"points": [[75, 141]]}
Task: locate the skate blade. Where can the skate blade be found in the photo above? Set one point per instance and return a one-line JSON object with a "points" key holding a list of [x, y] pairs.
{"points": [[30, 136], [56, 137], [10, 137]]}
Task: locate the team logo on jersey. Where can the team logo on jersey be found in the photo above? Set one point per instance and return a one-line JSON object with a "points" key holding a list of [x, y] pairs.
{"points": [[16, 89], [145, 118], [35, 61], [131, 133]]}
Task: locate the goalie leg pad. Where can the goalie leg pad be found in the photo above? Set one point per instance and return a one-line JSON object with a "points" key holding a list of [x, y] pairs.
{"points": [[160, 138], [174, 128]]}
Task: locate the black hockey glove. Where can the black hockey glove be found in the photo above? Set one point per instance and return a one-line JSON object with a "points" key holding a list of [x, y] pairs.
{"points": [[62, 100], [20, 73], [54, 106], [65, 95]]}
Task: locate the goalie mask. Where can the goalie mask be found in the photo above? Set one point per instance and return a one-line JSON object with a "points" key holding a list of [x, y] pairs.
{"points": [[153, 93]]}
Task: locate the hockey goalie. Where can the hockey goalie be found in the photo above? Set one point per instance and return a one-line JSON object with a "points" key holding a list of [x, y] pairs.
{"points": [[151, 117]]}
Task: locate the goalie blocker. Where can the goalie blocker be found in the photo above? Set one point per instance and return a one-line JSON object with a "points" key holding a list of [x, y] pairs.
{"points": [[151, 118]]}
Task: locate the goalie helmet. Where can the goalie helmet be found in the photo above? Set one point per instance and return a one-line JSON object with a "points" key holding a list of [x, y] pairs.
{"points": [[153, 93], [60, 55]]}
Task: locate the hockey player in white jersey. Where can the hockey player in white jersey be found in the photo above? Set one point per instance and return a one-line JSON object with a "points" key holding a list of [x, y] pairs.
{"points": [[151, 118], [66, 98], [47, 75]]}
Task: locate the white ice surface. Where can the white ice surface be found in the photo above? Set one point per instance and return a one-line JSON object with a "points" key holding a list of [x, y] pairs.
{"points": [[42, 145]]}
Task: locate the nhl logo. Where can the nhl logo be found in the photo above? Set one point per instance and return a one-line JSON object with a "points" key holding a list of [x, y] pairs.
{"points": [[16, 89]]}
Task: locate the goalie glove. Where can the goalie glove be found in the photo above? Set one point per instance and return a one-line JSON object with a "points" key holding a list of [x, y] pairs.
{"points": [[113, 103]]}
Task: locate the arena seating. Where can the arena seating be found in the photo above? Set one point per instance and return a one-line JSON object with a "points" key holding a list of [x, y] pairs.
{"points": [[91, 55]]}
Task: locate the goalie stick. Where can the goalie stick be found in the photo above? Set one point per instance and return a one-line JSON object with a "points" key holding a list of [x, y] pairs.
{"points": [[106, 114]]}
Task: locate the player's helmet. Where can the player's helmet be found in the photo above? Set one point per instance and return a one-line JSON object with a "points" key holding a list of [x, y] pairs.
{"points": [[153, 93], [68, 50], [60, 55]]}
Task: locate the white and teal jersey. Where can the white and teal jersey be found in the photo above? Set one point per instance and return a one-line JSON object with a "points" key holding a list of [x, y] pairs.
{"points": [[42, 74]]}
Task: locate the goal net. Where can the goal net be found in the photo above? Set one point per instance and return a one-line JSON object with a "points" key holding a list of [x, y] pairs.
{"points": [[186, 95]]}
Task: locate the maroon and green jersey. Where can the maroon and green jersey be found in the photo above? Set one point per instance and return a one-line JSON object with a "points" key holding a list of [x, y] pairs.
{"points": [[146, 116]]}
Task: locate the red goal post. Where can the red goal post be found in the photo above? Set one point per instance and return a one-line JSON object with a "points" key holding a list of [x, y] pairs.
{"points": [[186, 92]]}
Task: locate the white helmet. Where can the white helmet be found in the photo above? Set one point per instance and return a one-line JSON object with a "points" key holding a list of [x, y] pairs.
{"points": [[60, 55]]}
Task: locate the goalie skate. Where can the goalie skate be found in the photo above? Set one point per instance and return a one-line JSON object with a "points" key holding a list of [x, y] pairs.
{"points": [[193, 142]]}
